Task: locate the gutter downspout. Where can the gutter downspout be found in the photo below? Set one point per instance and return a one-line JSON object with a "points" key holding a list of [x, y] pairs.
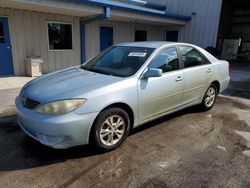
{"points": [[104, 16], [82, 38]]}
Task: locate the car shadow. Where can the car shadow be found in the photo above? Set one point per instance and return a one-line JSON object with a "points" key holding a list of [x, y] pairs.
{"points": [[18, 151]]}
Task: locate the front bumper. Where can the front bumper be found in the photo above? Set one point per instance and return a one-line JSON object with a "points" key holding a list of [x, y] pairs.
{"points": [[56, 131]]}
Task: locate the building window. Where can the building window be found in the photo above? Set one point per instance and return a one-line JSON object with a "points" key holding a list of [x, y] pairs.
{"points": [[140, 35], [2, 40], [60, 36], [172, 36]]}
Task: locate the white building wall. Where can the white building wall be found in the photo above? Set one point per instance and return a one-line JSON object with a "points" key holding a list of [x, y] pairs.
{"points": [[28, 32], [122, 32], [203, 28], [29, 37]]}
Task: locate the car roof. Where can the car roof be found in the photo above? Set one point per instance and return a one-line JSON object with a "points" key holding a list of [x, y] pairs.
{"points": [[147, 44]]}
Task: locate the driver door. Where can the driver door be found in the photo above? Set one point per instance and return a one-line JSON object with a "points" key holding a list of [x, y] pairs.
{"points": [[161, 94]]}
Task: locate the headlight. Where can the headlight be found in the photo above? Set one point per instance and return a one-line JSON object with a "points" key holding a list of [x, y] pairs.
{"points": [[61, 107]]}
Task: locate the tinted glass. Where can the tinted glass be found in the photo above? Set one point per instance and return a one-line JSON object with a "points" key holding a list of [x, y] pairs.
{"points": [[60, 36], [172, 36], [167, 60], [192, 57], [2, 40], [140, 35], [120, 61]]}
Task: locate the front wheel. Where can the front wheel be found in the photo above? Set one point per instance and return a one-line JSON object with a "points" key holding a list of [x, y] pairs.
{"points": [[110, 129], [209, 98]]}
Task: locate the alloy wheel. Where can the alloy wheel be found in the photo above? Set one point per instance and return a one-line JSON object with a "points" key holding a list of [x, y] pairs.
{"points": [[112, 130], [210, 97]]}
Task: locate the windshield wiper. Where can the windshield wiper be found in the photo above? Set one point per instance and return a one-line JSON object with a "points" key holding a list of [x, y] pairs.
{"points": [[87, 69], [83, 67], [100, 71]]}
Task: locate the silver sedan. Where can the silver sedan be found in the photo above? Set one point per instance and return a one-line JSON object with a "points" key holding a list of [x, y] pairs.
{"points": [[123, 87]]}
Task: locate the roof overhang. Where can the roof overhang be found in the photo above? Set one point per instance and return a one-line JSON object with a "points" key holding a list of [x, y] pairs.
{"points": [[134, 17], [64, 8], [95, 8], [135, 8]]}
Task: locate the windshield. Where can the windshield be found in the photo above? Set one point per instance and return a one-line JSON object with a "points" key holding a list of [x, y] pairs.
{"points": [[122, 61]]}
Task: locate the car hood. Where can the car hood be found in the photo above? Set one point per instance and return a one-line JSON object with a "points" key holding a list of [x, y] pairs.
{"points": [[69, 83]]}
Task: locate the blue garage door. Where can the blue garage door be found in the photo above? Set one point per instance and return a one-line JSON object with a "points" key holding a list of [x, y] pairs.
{"points": [[6, 65], [106, 37]]}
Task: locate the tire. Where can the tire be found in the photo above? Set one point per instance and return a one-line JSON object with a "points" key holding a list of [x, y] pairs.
{"points": [[107, 136], [209, 98]]}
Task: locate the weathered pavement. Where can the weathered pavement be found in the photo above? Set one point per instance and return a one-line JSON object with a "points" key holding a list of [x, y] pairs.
{"points": [[240, 80], [186, 149], [9, 88]]}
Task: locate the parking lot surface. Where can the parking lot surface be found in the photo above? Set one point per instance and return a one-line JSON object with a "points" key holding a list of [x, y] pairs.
{"points": [[240, 80], [185, 149]]}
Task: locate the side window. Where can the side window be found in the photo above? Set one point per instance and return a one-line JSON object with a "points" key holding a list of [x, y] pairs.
{"points": [[192, 57], [167, 60], [2, 39]]}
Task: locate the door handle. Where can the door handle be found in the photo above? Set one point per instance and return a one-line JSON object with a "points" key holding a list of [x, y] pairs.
{"points": [[209, 70], [8, 47], [179, 78]]}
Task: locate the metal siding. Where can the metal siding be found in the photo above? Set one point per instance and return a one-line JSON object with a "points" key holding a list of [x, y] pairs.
{"points": [[122, 32], [67, 7], [28, 32], [18, 32], [92, 39], [203, 28], [51, 55], [43, 48]]}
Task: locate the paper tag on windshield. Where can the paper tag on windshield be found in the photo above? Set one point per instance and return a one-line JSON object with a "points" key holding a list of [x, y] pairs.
{"points": [[137, 54]]}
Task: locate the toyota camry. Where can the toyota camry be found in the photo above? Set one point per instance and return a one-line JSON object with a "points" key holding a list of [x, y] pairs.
{"points": [[123, 87]]}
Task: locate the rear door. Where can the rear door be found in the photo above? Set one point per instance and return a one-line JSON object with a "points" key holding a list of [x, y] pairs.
{"points": [[161, 94], [197, 74]]}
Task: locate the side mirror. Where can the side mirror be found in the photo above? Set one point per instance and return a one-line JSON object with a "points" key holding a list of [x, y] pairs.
{"points": [[152, 72]]}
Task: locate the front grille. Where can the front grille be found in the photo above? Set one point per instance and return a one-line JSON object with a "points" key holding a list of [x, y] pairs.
{"points": [[28, 103]]}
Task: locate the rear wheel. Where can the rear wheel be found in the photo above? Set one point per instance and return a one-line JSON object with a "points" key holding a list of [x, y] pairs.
{"points": [[209, 98], [110, 129]]}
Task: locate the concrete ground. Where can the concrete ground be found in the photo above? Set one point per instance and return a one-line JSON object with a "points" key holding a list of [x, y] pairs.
{"points": [[9, 89], [240, 80], [187, 149], [13, 82]]}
